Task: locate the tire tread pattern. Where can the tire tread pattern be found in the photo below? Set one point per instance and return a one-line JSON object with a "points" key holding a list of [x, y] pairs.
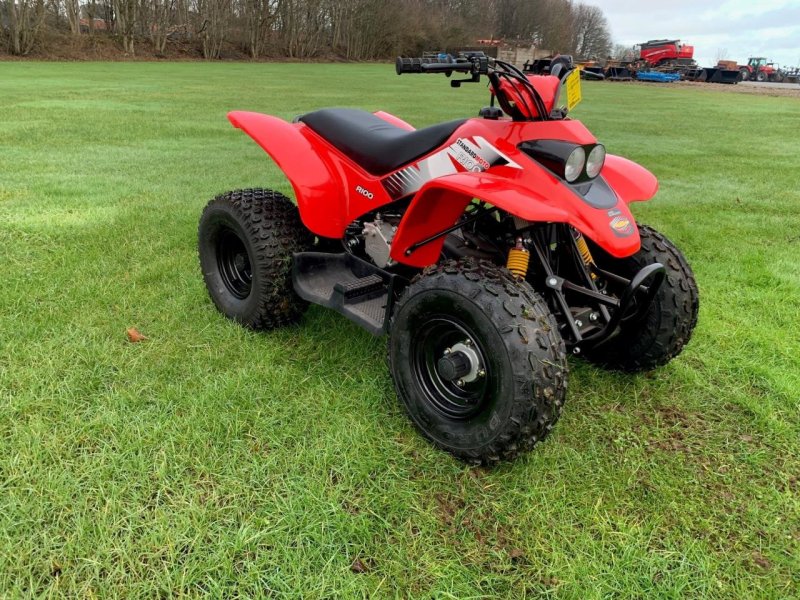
{"points": [[272, 223], [533, 343], [668, 327]]}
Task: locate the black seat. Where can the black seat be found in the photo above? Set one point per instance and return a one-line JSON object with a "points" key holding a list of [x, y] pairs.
{"points": [[377, 146]]}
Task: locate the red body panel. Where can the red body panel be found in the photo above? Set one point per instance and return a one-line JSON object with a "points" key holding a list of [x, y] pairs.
{"points": [[315, 183], [669, 50], [631, 182], [396, 121], [533, 197], [546, 85], [480, 160]]}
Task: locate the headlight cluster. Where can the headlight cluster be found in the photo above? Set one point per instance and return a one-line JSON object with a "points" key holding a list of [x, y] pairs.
{"points": [[569, 161]]}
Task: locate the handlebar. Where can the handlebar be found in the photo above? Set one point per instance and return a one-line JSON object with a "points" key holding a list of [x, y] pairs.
{"points": [[526, 104], [474, 65]]}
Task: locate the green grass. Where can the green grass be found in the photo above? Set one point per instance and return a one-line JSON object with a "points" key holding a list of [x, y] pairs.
{"points": [[212, 460]]}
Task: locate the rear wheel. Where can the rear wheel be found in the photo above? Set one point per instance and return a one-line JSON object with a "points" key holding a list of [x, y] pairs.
{"points": [[667, 326], [245, 241], [761, 76], [477, 361]]}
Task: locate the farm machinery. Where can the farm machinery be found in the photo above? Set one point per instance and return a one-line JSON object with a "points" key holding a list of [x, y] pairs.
{"points": [[670, 56], [725, 71], [661, 59], [792, 75], [759, 68], [654, 56]]}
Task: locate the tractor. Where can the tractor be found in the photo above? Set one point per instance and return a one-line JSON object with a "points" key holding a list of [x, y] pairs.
{"points": [[759, 69]]}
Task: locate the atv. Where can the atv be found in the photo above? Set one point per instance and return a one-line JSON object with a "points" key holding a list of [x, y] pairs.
{"points": [[486, 248]]}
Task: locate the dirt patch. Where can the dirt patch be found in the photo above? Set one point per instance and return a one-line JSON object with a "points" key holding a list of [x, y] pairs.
{"points": [[779, 90], [782, 90]]}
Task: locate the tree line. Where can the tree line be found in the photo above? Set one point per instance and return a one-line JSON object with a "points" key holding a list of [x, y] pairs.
{"points": [[307, 29]]}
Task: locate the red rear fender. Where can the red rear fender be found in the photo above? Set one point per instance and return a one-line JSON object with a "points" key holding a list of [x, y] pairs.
{"points": [[396, 121], [315, 183]]}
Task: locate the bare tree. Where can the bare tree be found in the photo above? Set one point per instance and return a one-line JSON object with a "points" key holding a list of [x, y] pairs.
{"points": [[623, 52], [126, 12], [258, 17], [25, 19], [590, 30], [353, 29], [72, 8], [214, 17], [156, 16], [302, 25]]}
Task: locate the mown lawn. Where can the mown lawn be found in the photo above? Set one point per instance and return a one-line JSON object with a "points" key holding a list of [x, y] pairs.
{"points": [[209, 460]]}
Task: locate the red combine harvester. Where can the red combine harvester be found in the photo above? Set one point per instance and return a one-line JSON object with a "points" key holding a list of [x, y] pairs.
{"points": [[666, 55], [671, 56]]}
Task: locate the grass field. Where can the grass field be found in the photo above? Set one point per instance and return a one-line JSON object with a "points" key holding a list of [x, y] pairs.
{"points": [[211, 460]]}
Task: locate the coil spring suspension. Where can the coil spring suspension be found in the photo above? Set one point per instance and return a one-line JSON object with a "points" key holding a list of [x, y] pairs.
{"points": [[518, 259], [583, 250]]}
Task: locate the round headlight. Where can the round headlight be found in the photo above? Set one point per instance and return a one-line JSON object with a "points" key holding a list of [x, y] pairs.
{"points": [[574, 166], [594, 164]]}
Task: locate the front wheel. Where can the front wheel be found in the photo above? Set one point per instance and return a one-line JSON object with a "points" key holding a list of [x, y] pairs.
{"points": [[477, 361], [660, 335]]}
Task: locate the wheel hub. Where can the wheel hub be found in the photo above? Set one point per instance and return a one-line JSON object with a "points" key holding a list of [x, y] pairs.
{"points": [[451, 368], [460, 364], [234, 264]]}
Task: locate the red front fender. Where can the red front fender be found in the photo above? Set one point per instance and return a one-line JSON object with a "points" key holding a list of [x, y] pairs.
{"points": [[440, 202], [631, 182]]}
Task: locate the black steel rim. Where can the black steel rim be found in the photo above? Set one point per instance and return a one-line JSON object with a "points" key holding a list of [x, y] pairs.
{"points": [[234, 264], [433, 336]]}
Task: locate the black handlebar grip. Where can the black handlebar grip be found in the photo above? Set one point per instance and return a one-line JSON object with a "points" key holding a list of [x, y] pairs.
{"points": [[427, 65], [408, 65]]}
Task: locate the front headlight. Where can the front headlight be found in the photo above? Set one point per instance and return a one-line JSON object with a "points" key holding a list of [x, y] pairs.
{"points": [[574, 163], [596, 160], [573, 168]]}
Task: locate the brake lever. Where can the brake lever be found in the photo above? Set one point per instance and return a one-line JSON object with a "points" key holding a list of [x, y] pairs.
{"points": [[456, 83]]}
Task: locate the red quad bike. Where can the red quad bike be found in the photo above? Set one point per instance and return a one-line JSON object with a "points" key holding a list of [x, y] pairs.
{"points": [[486, 248]]}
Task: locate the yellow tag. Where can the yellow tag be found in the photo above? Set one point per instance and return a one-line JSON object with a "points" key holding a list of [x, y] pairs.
{"points": [[573, 89]]}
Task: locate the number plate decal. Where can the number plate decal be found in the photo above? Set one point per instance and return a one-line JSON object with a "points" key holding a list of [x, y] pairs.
{"points": [[573, 89]]}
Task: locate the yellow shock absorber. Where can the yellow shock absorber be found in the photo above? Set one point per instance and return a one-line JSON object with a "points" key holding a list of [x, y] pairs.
{"points": [[518, 260], [583, 249]]}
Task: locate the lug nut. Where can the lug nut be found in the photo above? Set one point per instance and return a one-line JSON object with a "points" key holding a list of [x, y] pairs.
{"points": [[576, 350], [447, 351], [593, 317], [460, 383], [482, 373], [578, 323], [552, 282]]}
